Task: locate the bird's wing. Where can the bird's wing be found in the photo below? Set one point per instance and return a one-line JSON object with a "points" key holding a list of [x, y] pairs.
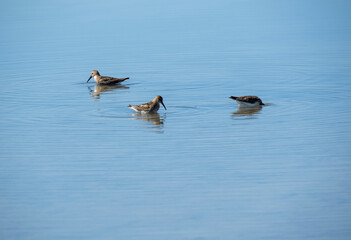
{"points": [[109, 80], [248, 99], [143, 107]]}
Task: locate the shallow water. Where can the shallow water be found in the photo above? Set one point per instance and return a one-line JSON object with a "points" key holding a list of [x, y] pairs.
{"points": [[76, 163]]}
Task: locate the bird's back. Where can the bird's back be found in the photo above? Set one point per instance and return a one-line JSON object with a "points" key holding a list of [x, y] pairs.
{"points": [[145, 107]]}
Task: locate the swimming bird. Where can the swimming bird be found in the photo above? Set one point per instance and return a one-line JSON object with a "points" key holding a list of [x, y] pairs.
{"points": [[248, 101], [150, 107], [105, 80]]}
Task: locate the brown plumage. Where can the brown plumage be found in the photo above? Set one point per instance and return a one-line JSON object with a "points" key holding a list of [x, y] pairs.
{"points": [[249, 101], [149, 107], [105, 80]]}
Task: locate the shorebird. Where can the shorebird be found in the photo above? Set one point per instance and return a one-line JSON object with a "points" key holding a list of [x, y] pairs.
{"points": [[248, 101], [105, 80], [150, 107]]}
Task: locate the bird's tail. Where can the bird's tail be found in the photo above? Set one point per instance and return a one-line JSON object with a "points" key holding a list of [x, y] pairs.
{"points": [[232, 97]]}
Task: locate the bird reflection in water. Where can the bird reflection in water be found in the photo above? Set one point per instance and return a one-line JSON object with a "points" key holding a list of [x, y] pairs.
{"points": [[154, 120], [246, 112], [98, 89]]}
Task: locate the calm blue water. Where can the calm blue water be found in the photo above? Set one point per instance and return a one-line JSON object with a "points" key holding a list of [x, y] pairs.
{"points": [[76, 163]]}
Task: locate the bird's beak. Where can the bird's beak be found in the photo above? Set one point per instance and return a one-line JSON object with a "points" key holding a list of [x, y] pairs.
{"points": [[163, 105], [89, 78]]}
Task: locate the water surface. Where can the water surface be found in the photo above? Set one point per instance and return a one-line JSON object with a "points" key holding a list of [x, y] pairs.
{"points": [[76, 163]]}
